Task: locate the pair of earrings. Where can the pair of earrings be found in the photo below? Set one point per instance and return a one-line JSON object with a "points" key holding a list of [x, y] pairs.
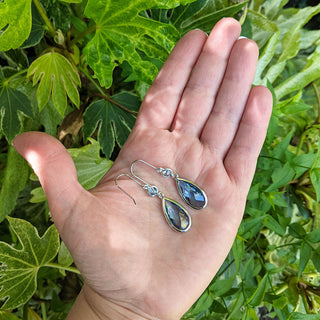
{"points": [[176, 215]]}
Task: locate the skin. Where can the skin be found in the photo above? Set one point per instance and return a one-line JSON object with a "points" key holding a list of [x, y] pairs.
{"points": [[202, 118]]}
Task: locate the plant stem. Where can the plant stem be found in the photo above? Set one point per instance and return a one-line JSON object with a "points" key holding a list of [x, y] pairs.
{"points": [[45, 18], [43, 305], [102, 94], [318, 99], [58, 266]]}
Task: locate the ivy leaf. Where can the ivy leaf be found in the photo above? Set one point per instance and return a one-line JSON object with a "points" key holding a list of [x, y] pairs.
{"points": [[19, 267], [37, 29], [122, 34], [57, 77], [113, 123], [16, 175], [12, 104], [15, 23], [91, 167]]}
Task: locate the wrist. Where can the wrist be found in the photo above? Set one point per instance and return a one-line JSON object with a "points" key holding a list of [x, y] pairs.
{"points": [[91, 306]]}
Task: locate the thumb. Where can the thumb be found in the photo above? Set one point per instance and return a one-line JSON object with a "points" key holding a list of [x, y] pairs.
{"points": [[55, 169]]}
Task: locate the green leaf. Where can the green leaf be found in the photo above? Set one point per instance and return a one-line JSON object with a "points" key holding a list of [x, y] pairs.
{"points": [[64, 257], [315, 175], [19, 267], [296, 230], [281, 177], [301, 79], [281, 147], [315, 179], [259, 293], [314, 236], [37, 29], [203, 303], [295, 107], [57, 76], [303, 316], [15, 178], [316, 259], [90, 168], [12, 104], [7, 316], [113, 123], [266, 57], [305, 254], [15, 23], [121, 33], [238, 251], [273, 225], [222, 286], [203, 14]]}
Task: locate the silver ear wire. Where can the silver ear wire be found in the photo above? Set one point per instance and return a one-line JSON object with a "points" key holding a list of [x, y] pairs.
{"points": [[116, 182], [134, 175]]}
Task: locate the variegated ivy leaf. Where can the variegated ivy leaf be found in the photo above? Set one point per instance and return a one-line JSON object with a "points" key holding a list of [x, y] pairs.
{"points": [[57, 77], [91, 167], [122, 34], [15, 23], [19, 266]]}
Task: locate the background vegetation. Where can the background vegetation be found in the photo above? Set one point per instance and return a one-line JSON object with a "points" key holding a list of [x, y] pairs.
{"points": [[67, 70]]}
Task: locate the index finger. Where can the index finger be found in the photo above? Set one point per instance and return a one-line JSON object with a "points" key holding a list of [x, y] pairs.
{"points": [[161, 101]]}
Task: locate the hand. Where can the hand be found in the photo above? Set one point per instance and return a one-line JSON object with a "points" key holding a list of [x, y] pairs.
{"points": [[202, 119]]}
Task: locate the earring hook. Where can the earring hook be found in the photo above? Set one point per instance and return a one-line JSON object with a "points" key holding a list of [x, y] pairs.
{"points": [[148, 164], [136, 181]]}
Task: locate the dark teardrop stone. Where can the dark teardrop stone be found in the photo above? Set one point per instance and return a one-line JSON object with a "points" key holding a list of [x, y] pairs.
{"points": [[192, 194], [177, 217]]}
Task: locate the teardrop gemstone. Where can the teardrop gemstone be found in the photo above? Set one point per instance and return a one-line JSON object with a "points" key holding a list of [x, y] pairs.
{"points": [[191, 193], [177, 217]]}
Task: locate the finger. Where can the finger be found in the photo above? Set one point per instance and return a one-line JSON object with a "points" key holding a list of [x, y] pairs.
{"points": [[198, 98], [55, 169], [161, 101], [223, 121], [240, 162]]}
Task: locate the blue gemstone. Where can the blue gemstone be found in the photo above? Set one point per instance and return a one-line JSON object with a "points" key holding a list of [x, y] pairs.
{"points": [[152, 191], [177, 217], [192, 194]]}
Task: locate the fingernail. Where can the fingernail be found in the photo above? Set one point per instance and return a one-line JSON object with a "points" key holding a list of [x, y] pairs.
{"points": [[242, 37], [201, 30]]}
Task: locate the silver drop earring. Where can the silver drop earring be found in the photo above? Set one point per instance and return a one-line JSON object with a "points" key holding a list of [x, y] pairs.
{"points": [[176, 215], [192, 194]]}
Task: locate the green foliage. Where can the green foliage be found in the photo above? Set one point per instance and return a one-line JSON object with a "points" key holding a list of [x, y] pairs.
{"points": [[15, 23], [57, 76], [114, 122], [78, 70], [12, 104], [19, 267]]}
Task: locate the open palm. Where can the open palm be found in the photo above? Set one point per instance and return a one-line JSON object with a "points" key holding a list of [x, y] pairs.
{"points": [[202, 119]]}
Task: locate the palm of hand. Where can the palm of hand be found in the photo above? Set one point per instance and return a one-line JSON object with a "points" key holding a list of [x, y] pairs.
{"points": [[127, 253]]}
